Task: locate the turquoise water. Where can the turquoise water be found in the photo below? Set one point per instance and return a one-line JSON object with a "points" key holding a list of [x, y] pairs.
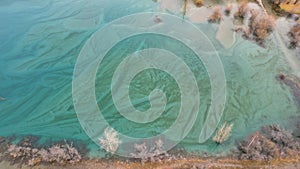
{"points": [[41, 40]]}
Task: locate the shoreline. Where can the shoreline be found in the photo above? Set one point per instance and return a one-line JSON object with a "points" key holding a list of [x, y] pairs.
{"points": [[186, 163], [272, 146]]}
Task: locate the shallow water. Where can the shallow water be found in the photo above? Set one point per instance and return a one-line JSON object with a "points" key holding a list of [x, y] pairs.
{"points": [[41, 40]]}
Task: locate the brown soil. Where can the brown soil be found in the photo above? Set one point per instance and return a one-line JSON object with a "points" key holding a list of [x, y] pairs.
{"points": [[177, 164]]}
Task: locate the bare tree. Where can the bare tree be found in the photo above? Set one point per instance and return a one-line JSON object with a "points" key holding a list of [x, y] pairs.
{"points": [[272, 142], [294, 35], [260, 26], [242, 9], [216, 16], [153, 154], [110, 142], [58, 153], [228, 9]]}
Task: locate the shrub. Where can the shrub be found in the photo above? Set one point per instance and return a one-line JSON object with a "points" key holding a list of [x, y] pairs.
{"points": [[153, 154], [228, 9], [273, 142], [61, 154], [242, 10], [294, 35], [261, 25], [216, 16], [258, 147], [281, 137]]}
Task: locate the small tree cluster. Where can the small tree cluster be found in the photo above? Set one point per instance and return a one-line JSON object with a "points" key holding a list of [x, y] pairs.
{"points": [[152, 154], [242, 10], [228, 9], [294, 35], [273, 142], [216, 16], [282, 138], [61, 154], [110, 142], [258, 147], [260, 26]]}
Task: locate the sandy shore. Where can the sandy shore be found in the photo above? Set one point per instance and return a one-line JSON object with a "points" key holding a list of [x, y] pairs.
{"points": [[189, 163]]}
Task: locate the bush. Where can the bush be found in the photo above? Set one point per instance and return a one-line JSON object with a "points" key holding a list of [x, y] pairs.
{"points": [[273, 142], [242, 10], [153, 154], [294, 35], [216, 16], [61, 154], [258, 147], [228, 9], [261, 25], [282, 138]]}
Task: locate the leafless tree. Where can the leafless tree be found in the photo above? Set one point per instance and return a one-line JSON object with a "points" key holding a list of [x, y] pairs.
{"points": [[294, 35], [242, 9], [228, 9], [216, 16], [260, 26]]}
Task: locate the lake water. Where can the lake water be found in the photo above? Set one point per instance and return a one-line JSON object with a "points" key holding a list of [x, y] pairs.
{"points": [[41, 40]]}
